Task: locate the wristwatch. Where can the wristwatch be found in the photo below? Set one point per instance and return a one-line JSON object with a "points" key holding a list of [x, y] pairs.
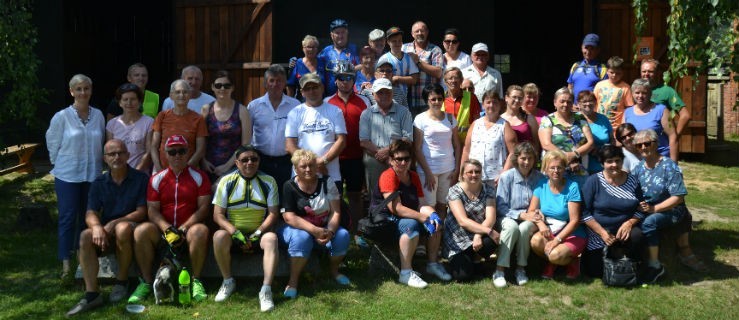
{"points": [[325, 161], [258, 233]]}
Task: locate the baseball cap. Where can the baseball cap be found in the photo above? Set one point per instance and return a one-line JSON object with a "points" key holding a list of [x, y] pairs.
{"points": [[176, 140], [338, 23], [392, 31], [380, 84], [383, 61], [308, 78], [591, 39], [479, 47], [376, 34]]}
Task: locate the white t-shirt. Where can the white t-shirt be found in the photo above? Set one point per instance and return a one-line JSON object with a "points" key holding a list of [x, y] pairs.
{"points": [[463, 61], [630, 161], [437, 144], [134, 136], [195, 104], [316, 129]]}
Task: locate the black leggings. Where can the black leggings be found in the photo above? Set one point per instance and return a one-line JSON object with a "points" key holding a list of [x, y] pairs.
{"points": [[592, 260], [462, 263]]}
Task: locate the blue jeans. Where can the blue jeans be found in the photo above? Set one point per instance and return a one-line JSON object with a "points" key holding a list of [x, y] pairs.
{"points": [[410, 227], [300, 243], [660, 220], [71, 204]]}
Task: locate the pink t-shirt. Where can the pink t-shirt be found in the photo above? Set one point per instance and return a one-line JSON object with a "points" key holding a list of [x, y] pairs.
{"points": [[134, 136]]}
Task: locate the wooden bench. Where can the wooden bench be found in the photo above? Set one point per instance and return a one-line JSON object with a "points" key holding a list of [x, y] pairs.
{"points": [[24, 153]]}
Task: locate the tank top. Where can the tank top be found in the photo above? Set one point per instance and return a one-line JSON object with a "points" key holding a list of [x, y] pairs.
{"points": [[223, 136]]}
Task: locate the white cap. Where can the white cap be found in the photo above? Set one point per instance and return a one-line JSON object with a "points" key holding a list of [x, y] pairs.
{"points": [[376, 34], [479, 47], [380, 84]]}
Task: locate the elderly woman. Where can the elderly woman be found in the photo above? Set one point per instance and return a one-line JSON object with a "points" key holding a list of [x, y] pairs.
{"points": [[600, 128], [462, 104], [453, 57], [531, 96], [522, 123], [468, 230], [625, 136], [132, 127], [366, 72], [568, 132], [410, 213], [312, 210], [436, 143], [308, 64], [75, 143], [557, 205], [646, 114], [490, 139], [229, 126], [611, 199], [517, 224], [178, 121], [661, 182]]}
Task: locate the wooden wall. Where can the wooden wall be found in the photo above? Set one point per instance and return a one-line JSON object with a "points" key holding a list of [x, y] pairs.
{"points": [[234, 35]]}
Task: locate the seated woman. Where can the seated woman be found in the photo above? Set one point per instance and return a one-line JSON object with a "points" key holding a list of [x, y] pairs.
{"points": [[664, 192], [517, 224], [560, 239], [468, 230], [408, 213], [611, 198], [311, 213]]}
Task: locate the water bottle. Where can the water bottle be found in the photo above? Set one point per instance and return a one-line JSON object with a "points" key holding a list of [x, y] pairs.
{"points": [[430, 227], [184, 280]]}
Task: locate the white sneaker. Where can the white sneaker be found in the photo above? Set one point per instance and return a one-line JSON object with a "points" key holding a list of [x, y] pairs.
{"points": [[227, 288], [499, 279], [412, 279], [438, 270], [265, 301], [521, 277], [118, 292]]}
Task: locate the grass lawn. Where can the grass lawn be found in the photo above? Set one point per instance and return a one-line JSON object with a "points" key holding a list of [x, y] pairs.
{"points": [[30, 287]]}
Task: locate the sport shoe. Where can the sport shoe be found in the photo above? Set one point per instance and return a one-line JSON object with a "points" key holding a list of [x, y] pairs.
{"points": [[548, 271], [84, 305], [290, 293], [342, 280], [227, 288], [265, 301], [118, 292], [652, 274], [573, 269], [438, 270], [139, 295], [499, 279], [412, 279], [198, 291], [521, 277]]}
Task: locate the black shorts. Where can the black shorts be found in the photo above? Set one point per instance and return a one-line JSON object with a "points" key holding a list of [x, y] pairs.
{"points": [[352, 173]]}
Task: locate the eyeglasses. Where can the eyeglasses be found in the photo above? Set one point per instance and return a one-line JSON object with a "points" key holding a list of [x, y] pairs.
{"points": [[643, 144], [402, 159], [436, 99], [116, 153], [174, 152], [385, 70], [556, 168], [623, 137], [248, 159], [223, 85], [451, 41], [345, 78]]}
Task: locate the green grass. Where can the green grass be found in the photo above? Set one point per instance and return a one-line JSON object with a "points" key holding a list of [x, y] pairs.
{"points": [[30, 288]]}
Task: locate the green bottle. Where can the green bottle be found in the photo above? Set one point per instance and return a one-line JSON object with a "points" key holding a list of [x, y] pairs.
{"points": [[184, 280]]}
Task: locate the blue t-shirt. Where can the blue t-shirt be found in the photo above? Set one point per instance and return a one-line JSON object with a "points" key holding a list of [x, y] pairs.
{"points": [[662, 182], [555, 205], [651, 120], [328, 58], [298, 72], [362, 79], [602, 132], [584, 75], [113, 201]]}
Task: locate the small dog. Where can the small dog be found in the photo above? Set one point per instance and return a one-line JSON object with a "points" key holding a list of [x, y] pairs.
{"points": [[163, 283]]}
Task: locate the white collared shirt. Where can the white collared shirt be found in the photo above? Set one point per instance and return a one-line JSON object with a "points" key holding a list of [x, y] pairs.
{"points": [[75, 148], [269, 124]]}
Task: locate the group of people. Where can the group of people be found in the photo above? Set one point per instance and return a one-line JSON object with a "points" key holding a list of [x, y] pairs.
{"points": [[436, 129]]}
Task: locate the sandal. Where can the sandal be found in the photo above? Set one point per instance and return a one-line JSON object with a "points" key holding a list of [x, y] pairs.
{"points": [[693, 263]]}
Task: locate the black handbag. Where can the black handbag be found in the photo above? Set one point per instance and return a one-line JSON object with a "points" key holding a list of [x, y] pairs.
{"points": [[619, 272], [377, 225]]}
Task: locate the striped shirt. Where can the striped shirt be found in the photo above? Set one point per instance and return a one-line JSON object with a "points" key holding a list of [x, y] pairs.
{"points": [[515, 192], [609, 205]]}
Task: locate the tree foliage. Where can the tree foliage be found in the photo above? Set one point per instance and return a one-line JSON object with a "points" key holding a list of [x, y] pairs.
{"points": [[702, 33], [19, 90]]}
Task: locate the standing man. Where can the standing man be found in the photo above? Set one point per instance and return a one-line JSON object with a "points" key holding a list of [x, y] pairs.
{"points": [[178, 199], [664, 94], [584, 75], [350, 160], [198, 99], [376, 41], [246, 206], [117, 202], [138, 75], [317, 126], [428, 58], [380, 125], [269, 118], [341, 49], [482, 76], [405, 71]]}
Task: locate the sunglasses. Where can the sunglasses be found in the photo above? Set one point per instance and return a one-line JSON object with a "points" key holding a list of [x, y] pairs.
{"points": [[174, 152], [402, 159], [223, 85], [451, 41], [436, 99], [345, 78], [248, 159], [643, 144], [623, 137]]}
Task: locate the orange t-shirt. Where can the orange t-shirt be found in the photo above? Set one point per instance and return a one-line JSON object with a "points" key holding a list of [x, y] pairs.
{"points": [[612, 100], [191, 125]]}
